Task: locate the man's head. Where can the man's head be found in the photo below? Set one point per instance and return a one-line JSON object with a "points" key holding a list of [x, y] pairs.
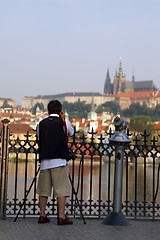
{"points": [[54, 106]]}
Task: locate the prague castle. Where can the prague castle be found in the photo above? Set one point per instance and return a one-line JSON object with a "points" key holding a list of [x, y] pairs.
{"points": [[121, 85], [121, 90]]}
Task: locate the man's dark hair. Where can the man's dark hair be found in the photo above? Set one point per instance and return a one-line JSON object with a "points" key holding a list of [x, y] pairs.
{"points": [[54, 106]]}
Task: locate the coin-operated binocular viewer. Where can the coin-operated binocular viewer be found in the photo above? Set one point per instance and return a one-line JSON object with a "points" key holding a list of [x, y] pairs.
{"points": [[120, 140]]}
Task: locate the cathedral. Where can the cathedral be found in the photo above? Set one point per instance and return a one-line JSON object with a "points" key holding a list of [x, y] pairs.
{"points": [[121, 90], [122, 85]]}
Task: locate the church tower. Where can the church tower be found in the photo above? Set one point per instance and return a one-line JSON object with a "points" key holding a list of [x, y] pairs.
{"points": [[92, 115], [119, 80], [107, 85], [133, 77]]}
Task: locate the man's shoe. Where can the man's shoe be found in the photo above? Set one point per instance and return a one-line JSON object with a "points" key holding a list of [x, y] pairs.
{"points": [[65, 221], [43, 219]]}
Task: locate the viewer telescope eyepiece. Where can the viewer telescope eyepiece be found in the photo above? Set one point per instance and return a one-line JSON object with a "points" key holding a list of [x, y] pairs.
{"points": [[120, 123]]}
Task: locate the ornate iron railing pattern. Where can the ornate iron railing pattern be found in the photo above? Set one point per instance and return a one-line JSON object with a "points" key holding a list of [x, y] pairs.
{"points": [[92, 177]]}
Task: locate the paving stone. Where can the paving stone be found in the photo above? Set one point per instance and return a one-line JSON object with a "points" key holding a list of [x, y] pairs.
{"points": [[29, 229]]}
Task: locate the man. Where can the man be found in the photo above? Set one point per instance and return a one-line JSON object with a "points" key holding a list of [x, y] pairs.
{"points": [[52, 135]]}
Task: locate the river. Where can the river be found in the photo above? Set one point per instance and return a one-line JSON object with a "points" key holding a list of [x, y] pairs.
{"points": [[91, 180]]}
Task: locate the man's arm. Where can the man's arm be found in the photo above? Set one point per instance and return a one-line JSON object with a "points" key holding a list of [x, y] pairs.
{"points": [[70, 129]]}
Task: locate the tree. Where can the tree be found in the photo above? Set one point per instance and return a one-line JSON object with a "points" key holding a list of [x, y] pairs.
{"points": [[156, 111], [40, 105], [112, 107], [78, 109], [140, 123], [135, 108]]}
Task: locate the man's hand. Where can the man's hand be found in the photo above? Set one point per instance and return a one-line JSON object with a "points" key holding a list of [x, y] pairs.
{"points": [[62, 116]]}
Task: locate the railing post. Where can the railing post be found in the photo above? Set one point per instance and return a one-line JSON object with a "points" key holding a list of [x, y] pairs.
{"points": [[4, 168], [120, 140]]}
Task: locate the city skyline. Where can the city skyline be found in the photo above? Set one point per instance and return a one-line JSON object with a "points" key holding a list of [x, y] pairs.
{"points": [[50, 47]]}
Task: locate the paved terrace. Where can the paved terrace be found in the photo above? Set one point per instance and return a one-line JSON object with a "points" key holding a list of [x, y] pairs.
{"points": [[29, 229]]}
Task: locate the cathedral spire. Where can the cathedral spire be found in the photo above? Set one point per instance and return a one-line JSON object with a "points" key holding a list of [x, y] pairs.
{"points": [[107, 84], [119, 80], [133, 77], [120, 68], [108, 73]]}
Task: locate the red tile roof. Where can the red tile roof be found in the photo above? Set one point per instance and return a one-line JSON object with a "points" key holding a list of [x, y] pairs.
{"points": [[20, 128], [147, 94], [156, 126]]}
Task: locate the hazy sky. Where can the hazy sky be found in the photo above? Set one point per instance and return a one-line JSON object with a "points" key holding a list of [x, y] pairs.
{"points": [[57, 46]]}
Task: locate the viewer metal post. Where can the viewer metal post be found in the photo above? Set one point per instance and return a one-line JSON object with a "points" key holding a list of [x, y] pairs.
{"points": [[120, 141]]}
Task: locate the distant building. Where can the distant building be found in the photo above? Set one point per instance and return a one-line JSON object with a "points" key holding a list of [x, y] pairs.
{"points": [[108, 86], [140, 86], [6, 102], [16, 116], [121, 84], [120, 90], [19, 130], [71, 97], [150, 98]]}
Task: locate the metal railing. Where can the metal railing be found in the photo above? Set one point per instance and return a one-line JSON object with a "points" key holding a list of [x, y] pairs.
{"points": [[91, 174]]}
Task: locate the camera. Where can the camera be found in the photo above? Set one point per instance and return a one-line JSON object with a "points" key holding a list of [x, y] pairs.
{"points": [[71, 155]]}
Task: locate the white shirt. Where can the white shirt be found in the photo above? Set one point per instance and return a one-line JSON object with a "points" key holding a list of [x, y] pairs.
{"points": [[53, 163]]}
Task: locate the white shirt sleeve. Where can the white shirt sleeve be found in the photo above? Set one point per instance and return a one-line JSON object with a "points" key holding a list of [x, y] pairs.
{"points": [[70, 129]]}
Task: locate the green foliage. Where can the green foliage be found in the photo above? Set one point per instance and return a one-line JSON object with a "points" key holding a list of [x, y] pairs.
{"points": [[40, 105], [140, 123], [135, 109], [112, 107], [78, 109], [156, 111]]}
